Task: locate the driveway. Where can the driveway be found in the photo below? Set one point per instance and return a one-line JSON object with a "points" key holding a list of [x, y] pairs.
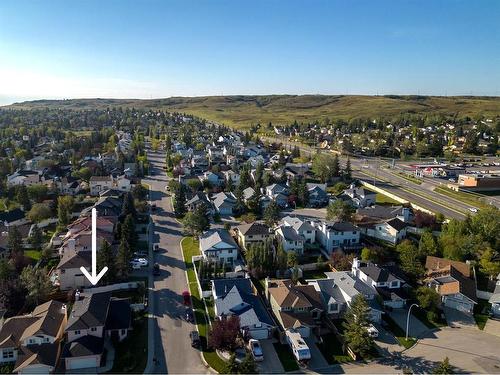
{"points": [[458, 319], [416, 327], [317, 360], [271, 362], [492, 327]]}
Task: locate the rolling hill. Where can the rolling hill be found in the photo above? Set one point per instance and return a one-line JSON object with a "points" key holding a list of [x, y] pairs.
{"points": [[242, 111]]}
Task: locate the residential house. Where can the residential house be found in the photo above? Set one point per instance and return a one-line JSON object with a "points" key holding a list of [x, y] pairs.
{"points": [[215, 179], [387, 285], [333, 235], [224, 203], [100, 183], [392, 231], [233, 176], [198, 200], [317, 195], [296, 307], [359, 196], [279, 193], [23, 177], [94, 318], [290, 240], [495, 299], [13, 218], [238, 297], [32, 342], [68, 185], [380, 213], [339, 289], [302, 227], [218, 245], [105, 206], [253, 233], [452, 280]]}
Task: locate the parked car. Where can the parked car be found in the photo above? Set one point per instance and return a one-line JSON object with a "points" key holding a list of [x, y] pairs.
{"points": [[186, 297], [473, 209], [189, 315], [156, 269], [256, 349], [156, 247], [372, 331], [137, 263], [195, 339], [140, 254]]}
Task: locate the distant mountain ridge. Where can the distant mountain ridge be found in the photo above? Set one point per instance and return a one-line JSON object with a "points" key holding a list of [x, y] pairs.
{"points": [[244, 110]]}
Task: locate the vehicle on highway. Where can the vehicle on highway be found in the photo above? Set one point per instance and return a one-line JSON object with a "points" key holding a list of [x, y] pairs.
{"points": [[188, 314], [256, 350], [473, 209], [195, 339], [156, 269]]}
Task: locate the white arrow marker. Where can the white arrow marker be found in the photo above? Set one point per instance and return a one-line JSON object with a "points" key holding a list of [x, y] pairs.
{"points": [[93, 278]]}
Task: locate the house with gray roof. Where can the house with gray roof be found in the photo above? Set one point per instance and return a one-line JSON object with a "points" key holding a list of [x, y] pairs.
{"points": [[337, 235], [495, 299], [224, 203], [218, 245], [359, 196], [237, 297], [290, 240], [302, 227]]}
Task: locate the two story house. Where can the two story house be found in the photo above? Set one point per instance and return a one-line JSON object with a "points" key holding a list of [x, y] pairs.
{"points": [[224, 203], [332, 235], [218, 245], [302, 227], [296, 307], [253, 233], [32, 342], [98, 184], [290, 240]]}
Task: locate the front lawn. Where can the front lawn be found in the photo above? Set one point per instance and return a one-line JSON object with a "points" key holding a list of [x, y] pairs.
{"points": [[398, 333], [332, 350], [286, 357], [421, 315], [35, 255], [481, 312], [132, 353]]}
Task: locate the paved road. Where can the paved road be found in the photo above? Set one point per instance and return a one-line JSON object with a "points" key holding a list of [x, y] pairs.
{"points": [[171, 343]]}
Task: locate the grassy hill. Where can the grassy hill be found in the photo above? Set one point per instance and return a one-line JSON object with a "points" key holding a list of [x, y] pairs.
{"points": [[242, 111]]}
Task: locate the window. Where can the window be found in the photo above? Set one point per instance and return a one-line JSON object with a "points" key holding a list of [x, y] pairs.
{"points": [[31, 341], [230, 251], [8, 353], [354, 232], [394, 283], [77, 332], [250, 236], [333, 307], [123, 331], [93, 329]]}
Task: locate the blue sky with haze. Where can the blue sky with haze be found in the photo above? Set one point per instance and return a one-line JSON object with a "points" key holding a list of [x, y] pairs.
{"points": [[142, 49]]}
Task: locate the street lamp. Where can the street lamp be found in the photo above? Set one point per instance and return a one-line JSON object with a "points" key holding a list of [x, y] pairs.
{"points": [[408, 319]]}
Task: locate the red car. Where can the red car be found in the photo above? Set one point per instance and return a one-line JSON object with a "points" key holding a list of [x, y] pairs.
{"points": [[187, 298]]}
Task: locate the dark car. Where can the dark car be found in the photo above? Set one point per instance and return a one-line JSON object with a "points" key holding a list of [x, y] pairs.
{"points": [[189, 315], [186, 298], [153, 207], [195, 339], [156, 269]]}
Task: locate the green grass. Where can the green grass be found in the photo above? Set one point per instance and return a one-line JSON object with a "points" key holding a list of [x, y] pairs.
{"points": [[131, 354], [36, 255], [481, 312], [243, 111], [332, 350], [398, 333], [286, 357], [410, 178], [190, 247], [467, 198], [421, 315]]}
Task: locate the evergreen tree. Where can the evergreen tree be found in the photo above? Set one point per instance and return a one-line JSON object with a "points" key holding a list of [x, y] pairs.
{"points": [[179, 201], [128, 206], [348, 170], [36, 237], [248, 366], [128, 232], [239, 206], [123, 259], [37, 282], [335, 170], [272, 214], [259, 174], [443, 367], [106, 258], [15, 241], [356, 322], [23, 198], [245, 179], [64, 210], [197, 221]]}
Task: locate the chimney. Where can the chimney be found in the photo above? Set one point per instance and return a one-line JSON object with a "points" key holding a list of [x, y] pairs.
{"points": [[71, 244]]}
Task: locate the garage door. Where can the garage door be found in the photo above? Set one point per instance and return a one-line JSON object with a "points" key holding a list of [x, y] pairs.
{"points": [[77, 363], [259, 334], [458, 305]]}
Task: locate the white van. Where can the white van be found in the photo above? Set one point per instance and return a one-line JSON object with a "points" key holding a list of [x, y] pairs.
{"points": [[372, 331], [298, 345]]}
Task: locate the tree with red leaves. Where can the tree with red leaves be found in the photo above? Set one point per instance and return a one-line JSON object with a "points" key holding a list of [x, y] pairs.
{"points": [[224, 333], [424, 220]]}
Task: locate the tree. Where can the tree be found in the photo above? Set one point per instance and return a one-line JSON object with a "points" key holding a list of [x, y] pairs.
{"points": [[37, 282], [490, 263], [179, 201], [36, 237], [424, 220], [339, 211], [197, 221], [427, 245], [84, 173], [369, 254], [322, 166], [12, 295], [291, 259], [259, 173], [239, 206], [128, 233], [443, 367], [37, 192], [348, 170], [428, 298], [194, 185], [341, 261], [272, 214], [22, 197], [224, 333], [139, 192], [15, 241], [248, 366], [356, 322], [64, 210], [128, 206], [39, 212], [335, 166], [123, 259], [409, 258], [106, 258]]}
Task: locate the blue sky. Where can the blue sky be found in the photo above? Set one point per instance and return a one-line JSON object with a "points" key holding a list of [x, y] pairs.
{"points": [[142, 49]]}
